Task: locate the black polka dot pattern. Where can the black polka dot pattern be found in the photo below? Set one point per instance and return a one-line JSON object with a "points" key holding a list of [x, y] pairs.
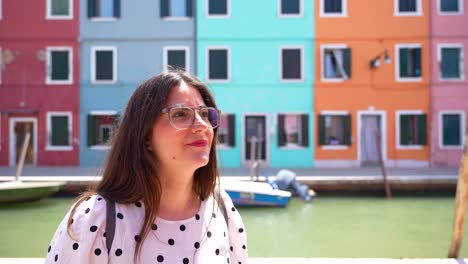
{"points": [[233, 209], [182, 228], [241, 230], [160, 258], [48, 250], [185, 261], [75, 246], [137, 238], [99, 199], [97, 252], [87, 210], [196, 245], [93, 228], [208, 234], [120, 216], [138, 204], [197, 216], [171, 241], [154, 226], [217, 252], [56, 258], [118, 252]]}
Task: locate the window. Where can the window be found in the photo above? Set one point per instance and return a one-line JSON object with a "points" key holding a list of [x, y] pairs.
{"points": [[411, 129], [291, 64], [450, 7], [408, 62], [334, 129], [218, 8], [101, 127], [451, 129], [336, 62], [408, 7], [59, 65], [333, 8], [290, 8], [218, 64], [177, 9], [227, 131], [293, 130], [103, 9], [59, 9], [59, 131], [103, 65], [176, 57], [450, 58]]}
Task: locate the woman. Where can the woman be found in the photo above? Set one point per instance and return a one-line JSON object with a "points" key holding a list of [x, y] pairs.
{"points": [[161, 173]]}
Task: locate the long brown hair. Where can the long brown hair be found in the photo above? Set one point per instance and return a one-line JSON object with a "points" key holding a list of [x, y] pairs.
{"points": [[130, 171]]}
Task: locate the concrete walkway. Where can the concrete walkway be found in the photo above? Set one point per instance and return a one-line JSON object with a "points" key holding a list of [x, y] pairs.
{"points": [[295, 261]]}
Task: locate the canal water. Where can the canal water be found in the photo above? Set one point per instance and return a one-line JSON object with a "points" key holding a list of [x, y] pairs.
{"points": [[329, 226]]}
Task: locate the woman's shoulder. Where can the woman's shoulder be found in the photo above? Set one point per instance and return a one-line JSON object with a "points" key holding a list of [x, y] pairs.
{"points": [[89, 216]]}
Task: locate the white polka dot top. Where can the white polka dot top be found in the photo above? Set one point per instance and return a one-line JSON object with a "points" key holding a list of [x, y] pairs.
{"points": [[203, 238]]}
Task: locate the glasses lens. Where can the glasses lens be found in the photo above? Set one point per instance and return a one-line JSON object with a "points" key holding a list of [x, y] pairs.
{"points": [[211, 116], [181, 117]]}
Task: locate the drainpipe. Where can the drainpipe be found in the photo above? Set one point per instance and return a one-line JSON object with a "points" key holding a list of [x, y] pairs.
{"points": [[431, 108]]}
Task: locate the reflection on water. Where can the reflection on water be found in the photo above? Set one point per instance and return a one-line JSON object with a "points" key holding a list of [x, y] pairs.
{"points": [[353, 227]]}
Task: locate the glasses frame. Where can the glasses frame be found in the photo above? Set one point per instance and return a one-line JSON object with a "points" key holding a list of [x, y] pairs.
{"points": [[167, 110]]}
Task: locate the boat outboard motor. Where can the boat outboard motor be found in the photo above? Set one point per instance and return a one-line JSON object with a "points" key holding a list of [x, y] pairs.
{"points": [[286, 181]]}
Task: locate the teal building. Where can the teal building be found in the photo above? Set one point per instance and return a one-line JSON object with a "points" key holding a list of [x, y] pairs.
{"points": [[258, 59]]}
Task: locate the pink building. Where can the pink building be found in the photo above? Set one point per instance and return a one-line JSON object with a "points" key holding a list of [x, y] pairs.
{"points": [[39, 81], [449, 85]]}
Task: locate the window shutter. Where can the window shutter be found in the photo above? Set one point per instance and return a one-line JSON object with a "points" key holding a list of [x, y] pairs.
{"points": [[91, 130], [60, 70], [347, 61], [403, 62], [117, 8], [189, 10], [231, 130], [422, 133], [91, 8], [164, 8], [417, 62], [281, 131], [405, 132], [347, 130], [305, 130], [60, 135], [321, 126]]}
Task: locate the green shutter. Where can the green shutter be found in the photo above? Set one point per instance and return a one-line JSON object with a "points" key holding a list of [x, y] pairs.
{"points": [[403, 62], [281, 131], [347, 130], [322, 130], [305, 130], [405, 132], [231, 130], [59, 67], [117, 8], [91, 130], [347, 61], [417, 70], [91, 8], [104, 65], [422, 131], [60, 134], [164, 8], [189, 10]]}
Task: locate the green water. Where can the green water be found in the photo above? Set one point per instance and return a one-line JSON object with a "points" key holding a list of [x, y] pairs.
{"points": [[407, 227]]}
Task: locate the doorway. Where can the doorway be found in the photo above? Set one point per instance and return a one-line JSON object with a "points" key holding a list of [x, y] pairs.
{"points": [[255, 141], [18, 129], [372, 137]]}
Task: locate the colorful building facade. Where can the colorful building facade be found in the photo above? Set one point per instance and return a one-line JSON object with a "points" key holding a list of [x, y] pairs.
{"points": [[449, 87], [122, 44], [257, 57], [372, 87], [39, 82]]}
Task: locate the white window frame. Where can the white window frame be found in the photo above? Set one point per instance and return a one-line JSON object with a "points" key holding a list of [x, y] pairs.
{"points": [[94, 49], [462, 128], [398, 114], [50, 16], [207, 52], [49, 146], [301, 11], [335, 113], [298, 115], [344, 12], [397, 62], [462, 60], [418, 12], [459, 13], [103, 19], [281, 48], [49, 51], [166, 50], [1, 10], [228, 10], [178, 18], [322, 61], [101, 113]]}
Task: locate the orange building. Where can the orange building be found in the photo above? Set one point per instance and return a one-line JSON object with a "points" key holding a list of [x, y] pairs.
{"points": [[372, 82]]}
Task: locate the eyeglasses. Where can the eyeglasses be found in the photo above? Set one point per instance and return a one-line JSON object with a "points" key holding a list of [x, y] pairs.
{"points": [[183, 117]]}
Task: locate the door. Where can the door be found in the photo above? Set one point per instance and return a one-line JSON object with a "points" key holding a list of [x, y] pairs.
{"points": [[371, 136], [20, 130], [255, 144]]}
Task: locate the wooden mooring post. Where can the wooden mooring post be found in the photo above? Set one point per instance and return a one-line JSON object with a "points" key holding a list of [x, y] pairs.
{"points": [[388, 190], [461, 203]]}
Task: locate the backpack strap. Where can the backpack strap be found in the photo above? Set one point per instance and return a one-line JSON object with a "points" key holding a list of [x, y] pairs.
{"points": [[110, 222], [222, 206]]}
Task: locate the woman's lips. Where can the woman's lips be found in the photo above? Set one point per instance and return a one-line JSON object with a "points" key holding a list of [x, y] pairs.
{"points": [[199, 143]]}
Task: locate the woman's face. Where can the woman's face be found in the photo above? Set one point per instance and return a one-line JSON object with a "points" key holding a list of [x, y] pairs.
{"points": [[184, 149]]}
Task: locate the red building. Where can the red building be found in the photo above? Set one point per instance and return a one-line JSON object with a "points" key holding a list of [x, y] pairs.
{"points": [[39, 81]]}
